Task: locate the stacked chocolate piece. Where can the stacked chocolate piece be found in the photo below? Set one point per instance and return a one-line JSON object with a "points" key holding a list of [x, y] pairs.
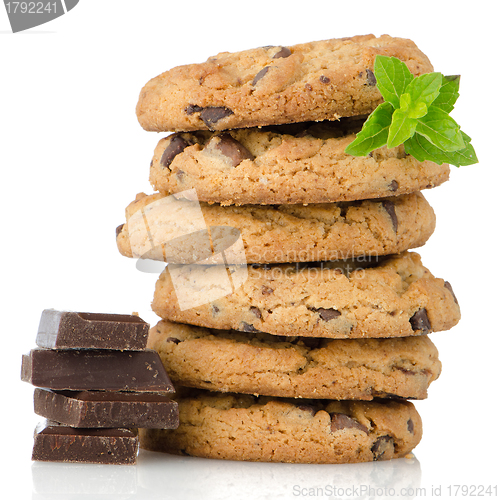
{"points": [[96, 384], [294, 318]]}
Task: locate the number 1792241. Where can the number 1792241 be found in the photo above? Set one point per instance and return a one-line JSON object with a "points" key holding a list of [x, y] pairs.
{"points": [[31, 7]]}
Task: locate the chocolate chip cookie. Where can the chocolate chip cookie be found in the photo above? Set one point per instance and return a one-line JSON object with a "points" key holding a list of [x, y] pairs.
{"points": [[322, 80], [281, 233], [244, 427], [392, 296], [300, 163], [263, 364]]}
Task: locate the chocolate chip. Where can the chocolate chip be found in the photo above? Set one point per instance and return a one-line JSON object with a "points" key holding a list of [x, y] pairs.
{"points": [[260, 75], [448, 286], [284, 52], [213, 114], [381, 445], [394, 185], [256, 311], [405, 370], [420, 321], [308, 86], [174, 340], [119, 229], [410, 425], [391, 210], [324, 79], [327, 314], [342, 421], [246, 327], [371, 81], [215, 310], [232, 149], [193, 108], [266, 290], [176, 145], [308, 408]]}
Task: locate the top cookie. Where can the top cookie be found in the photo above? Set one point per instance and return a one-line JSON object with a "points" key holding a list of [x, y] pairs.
{"points": [[269, 85]]}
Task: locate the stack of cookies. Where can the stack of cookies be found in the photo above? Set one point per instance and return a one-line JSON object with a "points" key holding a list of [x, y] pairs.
{"points": [[313, 350]]}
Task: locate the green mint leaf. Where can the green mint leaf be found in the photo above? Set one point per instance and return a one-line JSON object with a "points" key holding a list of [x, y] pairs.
{"points": [[448, 93], [413, 109], [415, 113], [392, 76], [421, 149], [401, 128], [425, 88], [417, 110], [439, 128], [374, 133]]}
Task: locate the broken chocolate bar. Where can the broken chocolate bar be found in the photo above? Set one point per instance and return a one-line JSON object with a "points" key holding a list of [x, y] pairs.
{"points": [[78, 330], [58, 443], [87, 370], [107, 409]]}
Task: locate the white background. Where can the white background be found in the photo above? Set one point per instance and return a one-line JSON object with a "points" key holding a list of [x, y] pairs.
{"points": [[72, 156]]}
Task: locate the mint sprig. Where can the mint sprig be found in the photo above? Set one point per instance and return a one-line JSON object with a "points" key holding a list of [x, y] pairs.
{"points": [[415, 113]]}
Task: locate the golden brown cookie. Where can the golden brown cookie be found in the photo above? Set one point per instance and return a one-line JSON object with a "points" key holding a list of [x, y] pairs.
{"points": [[301, 163], [243, 427], [395, 297], [319, 80], [283, 233], [263, 364]]}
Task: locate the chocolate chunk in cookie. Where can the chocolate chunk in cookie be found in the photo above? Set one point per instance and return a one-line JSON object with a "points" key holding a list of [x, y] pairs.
{"points": [[176, 146], [327, 314], [448, 286], [341, 421], [212, 115], [371, 81], [420, 321], [391, 210], [233, 150], [260, 75], [283, 52], [383, 444]]}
